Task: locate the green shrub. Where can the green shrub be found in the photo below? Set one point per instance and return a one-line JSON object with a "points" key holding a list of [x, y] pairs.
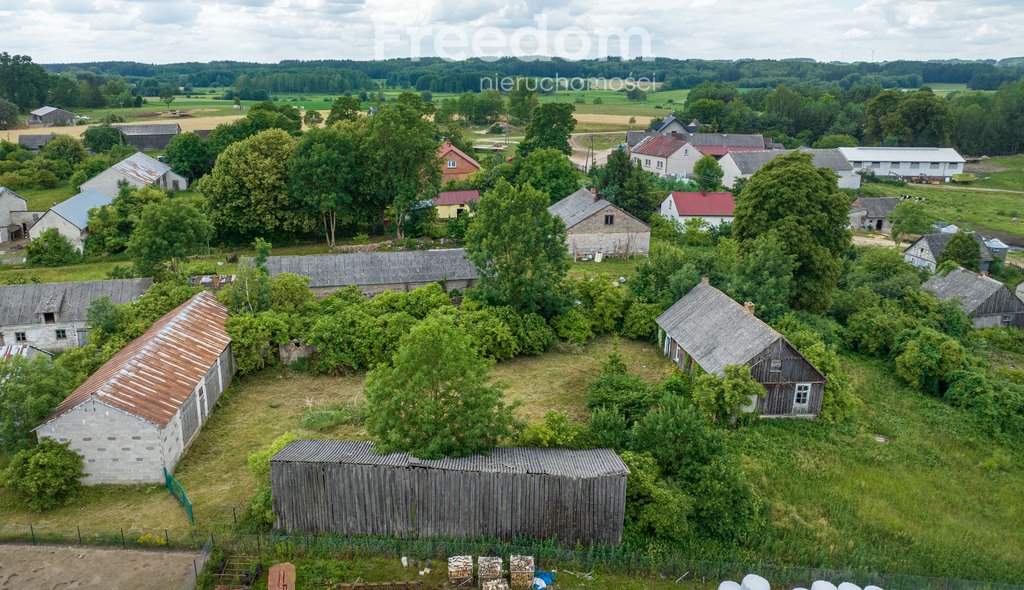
{"points": [[629, 395], [926, 359], [557, 430], [638, 323], [655, 508], [573, 326], [608, 429], [601, 300], [51, 249], [46, 475], [723, 397]]}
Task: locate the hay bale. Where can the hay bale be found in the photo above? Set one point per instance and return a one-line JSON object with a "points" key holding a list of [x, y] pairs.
{"points": [[755, 582], [729, 585]]}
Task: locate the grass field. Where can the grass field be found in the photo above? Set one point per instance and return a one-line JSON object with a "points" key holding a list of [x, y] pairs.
{"points": [[43, 199], [1011, 177], [975, 209]]}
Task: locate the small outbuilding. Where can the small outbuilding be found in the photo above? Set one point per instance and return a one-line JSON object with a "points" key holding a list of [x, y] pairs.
{"points": [[52, 117], [455, 204], [15, 218], [376, 272], [71, 217], [345, 487], [34, 141], [713, 208], [135, 416], [927, 251], [989, 303], [137, 170], [595, 226], [149, 137], [708, 329], [872, 214]]}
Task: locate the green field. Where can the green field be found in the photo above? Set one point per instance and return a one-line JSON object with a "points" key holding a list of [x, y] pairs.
{"points": [[1009, 177], [43, 199]]}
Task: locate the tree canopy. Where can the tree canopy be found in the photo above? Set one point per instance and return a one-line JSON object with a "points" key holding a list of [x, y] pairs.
{"points": [[550, 126]]}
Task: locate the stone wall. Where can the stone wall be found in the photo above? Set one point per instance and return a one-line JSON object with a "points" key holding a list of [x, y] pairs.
{"points": [[44, 336], [627, 236]]}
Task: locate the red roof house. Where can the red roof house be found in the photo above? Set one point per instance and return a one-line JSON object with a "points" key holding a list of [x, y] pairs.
{"points": [[455, 163], [451, 204], [713, 208]]}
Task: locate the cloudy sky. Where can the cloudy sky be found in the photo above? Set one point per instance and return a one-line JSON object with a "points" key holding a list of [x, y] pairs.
{"points": [[162, 31]]}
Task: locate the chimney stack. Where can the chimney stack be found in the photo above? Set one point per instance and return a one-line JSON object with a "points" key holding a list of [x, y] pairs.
{"points": [[749, 306], [705, 281], [593, 192]]}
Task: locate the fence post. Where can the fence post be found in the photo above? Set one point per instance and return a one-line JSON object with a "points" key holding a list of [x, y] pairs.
{"points": [[258, 550], [234, 517], [123, 546], [32, 531], [167, 540], [79, 535]]}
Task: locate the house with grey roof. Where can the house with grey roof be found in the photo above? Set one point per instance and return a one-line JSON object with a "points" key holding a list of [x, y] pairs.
{"points": [[138, 170], [15, 218], [52, 117], [872, 214], [743, 164], [376, 272], [707, 329], [927, 251], [34, 141], [71, 217], [149, 137], [595, 226], [989, 303], [51, 316]]}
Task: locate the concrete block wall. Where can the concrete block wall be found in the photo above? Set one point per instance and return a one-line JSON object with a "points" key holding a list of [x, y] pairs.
{"points": [[44, 336]]}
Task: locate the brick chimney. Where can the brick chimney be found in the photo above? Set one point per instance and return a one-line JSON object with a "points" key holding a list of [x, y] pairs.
{"points": [[593, 193], [749, 306], [705, 281]]}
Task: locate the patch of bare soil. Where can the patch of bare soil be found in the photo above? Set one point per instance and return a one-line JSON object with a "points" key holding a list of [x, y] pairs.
{"points": [[26, 566]]}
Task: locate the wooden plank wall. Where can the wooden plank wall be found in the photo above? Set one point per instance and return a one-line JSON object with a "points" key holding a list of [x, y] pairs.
{"points": [[413, 501]]}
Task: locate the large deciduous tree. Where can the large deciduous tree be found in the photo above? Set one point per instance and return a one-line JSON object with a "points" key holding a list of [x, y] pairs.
{"points": [[964, 250], [708, 174], [100, 138], [436, 398], [550, 126], [804, 206], [326, 176], [344, 108], [549, 171], [29, 391], [519, 248], [909, 217], [189, 156], [168, 231]]}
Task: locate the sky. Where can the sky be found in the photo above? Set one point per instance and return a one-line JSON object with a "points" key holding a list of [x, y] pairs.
{"points": [[162, 31]]}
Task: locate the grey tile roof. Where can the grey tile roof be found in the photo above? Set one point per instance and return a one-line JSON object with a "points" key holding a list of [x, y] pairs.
{"points": [[751, 162], [20, 303], [76, 209], [578, 206], [554, 461], [715, 330], [727, 139], [937, 244], [131, 129], [377, 268], [635, 137], [34, 141], [972, 289], [879, 207]]}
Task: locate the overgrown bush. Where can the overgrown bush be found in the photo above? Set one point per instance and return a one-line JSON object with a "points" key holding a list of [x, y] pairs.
{"points": [[557, 430], [625, 393], [51, 249], [723, 397], [638, 322], [46, 475], [573, 326]]}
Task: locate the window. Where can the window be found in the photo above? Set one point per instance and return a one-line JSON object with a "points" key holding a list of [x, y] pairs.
{"points": [[452, 163], [1007, 318], [675, 356], [49, 318], [876, 165], [897, 165], [20, 337], [61, 334], [954, 167], [775, 366], [802, 397], [915, 165], [934, 166], [609, 219], [647, 161]]}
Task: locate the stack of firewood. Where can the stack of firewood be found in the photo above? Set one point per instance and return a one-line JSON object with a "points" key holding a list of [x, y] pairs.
{"points": [[499, 584], [460, 571], [521, 571], [488, 568]]}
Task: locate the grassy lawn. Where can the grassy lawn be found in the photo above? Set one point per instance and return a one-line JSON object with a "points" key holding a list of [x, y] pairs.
{"points": [[43, 199], [1010, 178], [967, 208], [613, 267]]}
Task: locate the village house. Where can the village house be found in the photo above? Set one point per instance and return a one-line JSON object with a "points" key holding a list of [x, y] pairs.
{"points": [[133, 419], [714, 208], [595, 226], [455, 163], [927, 251], [453, 204], [665, 127], [51, 316], [376, 272], [149, 137], [743, 164], [989, 303], [15, 219], [675, 154], [906, 162], [71, 217], [52, 117], [708, 329], [138, 170], [872, 214], [34, 141]]}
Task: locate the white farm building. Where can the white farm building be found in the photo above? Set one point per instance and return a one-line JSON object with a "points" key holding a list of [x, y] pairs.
{"points": [[136, 415], [906, 162]]}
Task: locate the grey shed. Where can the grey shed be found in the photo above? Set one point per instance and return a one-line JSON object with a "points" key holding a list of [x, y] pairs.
{"points": [[986, 301]]}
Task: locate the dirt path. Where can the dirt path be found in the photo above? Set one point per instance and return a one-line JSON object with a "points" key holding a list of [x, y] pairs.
{"points": [[980, 189], [581, 150], [870, 241], [25, 566]]}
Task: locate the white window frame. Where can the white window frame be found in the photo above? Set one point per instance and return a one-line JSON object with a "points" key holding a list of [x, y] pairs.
{"points": [[452, 164], [675, 356], [804, 388]]}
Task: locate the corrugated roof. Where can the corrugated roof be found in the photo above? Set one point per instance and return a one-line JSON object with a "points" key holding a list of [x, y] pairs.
{"points": [[152, 377], [377, 268], [447, 147], [969, 288], [901, 154], [750, 162], [76, 209], [457, 197], [44, 111], [9, 351], [141, 168], [18, 303], [698, 204], [715, 330], [131, 129], [877, 207], [560, 462], [937, 244], [660, 146]]}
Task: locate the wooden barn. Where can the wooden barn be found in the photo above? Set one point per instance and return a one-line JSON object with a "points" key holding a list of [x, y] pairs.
{"points": [[707, 328], [345, 487], [989, 303]]}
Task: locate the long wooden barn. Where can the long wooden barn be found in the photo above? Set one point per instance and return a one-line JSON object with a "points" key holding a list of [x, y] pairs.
{"points": [[346, 487]]}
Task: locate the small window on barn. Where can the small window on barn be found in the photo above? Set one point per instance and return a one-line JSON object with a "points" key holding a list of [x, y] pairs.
{"points": [[452, 163], [126, 448], [609, 219], [776, 366], [49, 318], [20, 337], [138, 458], [88, 438], [111, 438], [61, 334], [1007, 318]]}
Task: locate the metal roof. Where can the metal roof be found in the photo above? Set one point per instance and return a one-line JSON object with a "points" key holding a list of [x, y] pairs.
{"points": [[153, 376], [19, 303], [377, 268], [901, 154], [141, 168], [750, 162], [9, 351], [44, 111], [132, 129], [877, 207], [660, 146], [937, 244], [703, 204], [969, 288], [559, 462], [733, 140], [715, 330], [76, 209], [457, 197]]}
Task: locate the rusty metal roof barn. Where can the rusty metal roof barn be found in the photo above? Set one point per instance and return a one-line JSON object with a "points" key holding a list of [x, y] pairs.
{"points": [[132, 129], [153, 376], [141, 168], [20, 304], [346, 487], [377, 268]]}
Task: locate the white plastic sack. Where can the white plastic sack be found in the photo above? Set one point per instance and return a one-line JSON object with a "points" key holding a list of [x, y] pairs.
{"points": [[872, 588], [848, 586], [755, 582], [823, 585], [729, 585], [539, 584]]}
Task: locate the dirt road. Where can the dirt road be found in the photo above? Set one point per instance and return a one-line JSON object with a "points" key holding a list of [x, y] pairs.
{"points": [[25, 567], [581, 149]]}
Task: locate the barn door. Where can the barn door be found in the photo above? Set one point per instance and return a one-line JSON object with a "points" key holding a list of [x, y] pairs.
{"points": [[802, 398]]}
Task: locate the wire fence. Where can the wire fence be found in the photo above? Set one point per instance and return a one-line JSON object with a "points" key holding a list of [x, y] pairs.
{"points": [[548, 555]]}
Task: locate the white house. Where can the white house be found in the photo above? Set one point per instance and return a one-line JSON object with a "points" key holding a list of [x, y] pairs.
{"points": [[51, 316], [71, 218], [135, 416], [906, 162], [927, 251], [676, 153], [138, 170], [714, 208], [15, 218], [743, 164]]}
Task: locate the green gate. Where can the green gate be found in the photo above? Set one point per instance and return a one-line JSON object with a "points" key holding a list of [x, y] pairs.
{"points": [[178, 491]]}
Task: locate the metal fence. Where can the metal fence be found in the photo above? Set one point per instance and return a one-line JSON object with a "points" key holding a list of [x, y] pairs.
{"points": [[178, 491], [548, 555]]}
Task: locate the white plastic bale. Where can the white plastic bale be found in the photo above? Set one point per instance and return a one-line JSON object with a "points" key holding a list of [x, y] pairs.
{"points": [[872, 588], [799, 588], [823, 585], [755, 582], [848, 586], [729, 585]]}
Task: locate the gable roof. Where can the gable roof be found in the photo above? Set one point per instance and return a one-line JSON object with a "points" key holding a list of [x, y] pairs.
{"points": [[732, 140], [635, 137], [580, 206], [377, 268], [666, 122], [34, 141], [132, 129], [141, 168], [937, 244], [703, 204], [457, 197], [970, 288], [153, 376], [76, 209], [447, 148], [4, 191], [45, 111], [20, 303], [9, 351], [715, 330], [660, 146], [901, 154], [877, 207]]}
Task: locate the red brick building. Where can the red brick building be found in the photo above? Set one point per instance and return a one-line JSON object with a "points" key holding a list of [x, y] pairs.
{"points": [[455, 164]]}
